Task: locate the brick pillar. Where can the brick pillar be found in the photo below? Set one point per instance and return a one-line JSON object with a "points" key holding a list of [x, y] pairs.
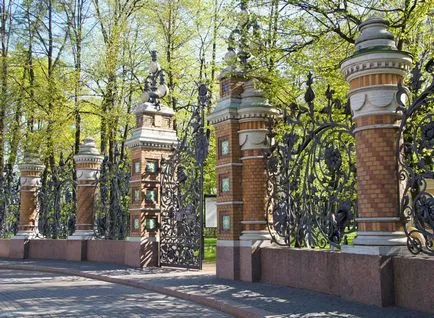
{"points": [[88, 163], [253, 113], [240, 119], [30, 169], [152, 140], [373, 74], [229, 177]]}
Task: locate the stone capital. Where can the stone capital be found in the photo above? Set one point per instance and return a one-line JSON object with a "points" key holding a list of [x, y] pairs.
{"points": [[375, 70], [152, 138], [88, 153]]}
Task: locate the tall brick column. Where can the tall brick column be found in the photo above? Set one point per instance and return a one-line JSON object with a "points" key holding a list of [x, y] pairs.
{"points": [[373, 73], [240, 120], [30, 169], [229, 176], [88, 163], [152, 140], [253, 113]]}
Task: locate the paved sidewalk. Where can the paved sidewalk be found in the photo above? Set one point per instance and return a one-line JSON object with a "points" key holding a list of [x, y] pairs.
{"points": [[37, 294], [236, 298]]}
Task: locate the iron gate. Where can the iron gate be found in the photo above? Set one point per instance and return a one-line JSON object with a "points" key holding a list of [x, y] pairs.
{"points": [[181, 238], [416, 156], [312, 198]]}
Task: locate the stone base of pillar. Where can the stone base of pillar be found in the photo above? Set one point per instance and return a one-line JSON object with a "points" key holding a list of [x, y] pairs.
{"points": [[255, 235], [26, 235], [82, 235], [228, 259], [149, 252], [378, 243], [376, 250], [380, 239], [250, 258]]}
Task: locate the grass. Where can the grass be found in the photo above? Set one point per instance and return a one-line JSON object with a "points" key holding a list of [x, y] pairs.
{"points": [[210, 249]]}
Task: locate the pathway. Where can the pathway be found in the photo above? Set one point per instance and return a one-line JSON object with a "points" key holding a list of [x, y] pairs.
{"points": [[201, 287]]}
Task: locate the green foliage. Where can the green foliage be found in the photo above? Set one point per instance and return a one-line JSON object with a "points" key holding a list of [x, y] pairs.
{"points": [[72, 69]]}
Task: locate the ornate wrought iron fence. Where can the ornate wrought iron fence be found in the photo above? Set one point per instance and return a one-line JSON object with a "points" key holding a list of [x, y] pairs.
{"points": [[416, 163], [9, 202], [312, 198], [113, 199], [56, 200], [181, 236]]}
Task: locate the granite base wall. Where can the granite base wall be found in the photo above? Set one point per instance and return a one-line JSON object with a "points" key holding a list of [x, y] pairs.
{"points": [[119, 252], [16, 249], [368, 279], [414, 281]]}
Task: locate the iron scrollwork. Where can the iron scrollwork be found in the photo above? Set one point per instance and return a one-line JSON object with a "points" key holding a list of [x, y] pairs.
{"points": [[416, 163], [182, 192], [56, 200], [9, 202], [312, 199], [111, 220]]}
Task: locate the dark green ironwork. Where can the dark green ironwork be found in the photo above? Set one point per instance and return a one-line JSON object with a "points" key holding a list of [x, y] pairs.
{"points": [[182, 198], [416, 153], [312, 198]]}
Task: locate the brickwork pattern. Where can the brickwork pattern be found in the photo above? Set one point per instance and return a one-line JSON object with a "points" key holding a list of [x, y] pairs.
{"points": [[375, 79], [253, 125], [27, 209], [228, 130], [254, 192], [28, 206], [231, 87], [376, 161], [142, 181], [85, 205]]}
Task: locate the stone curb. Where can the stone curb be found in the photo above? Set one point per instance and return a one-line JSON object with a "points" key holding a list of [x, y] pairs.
{"points": [[227, 306]]}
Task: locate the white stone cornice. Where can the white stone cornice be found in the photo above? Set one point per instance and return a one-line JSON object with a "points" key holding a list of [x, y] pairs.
{"points": [[88, 159], [243, 115], [152, 137], [383, 62], [247, 113], [222, 115], [30, 167]]}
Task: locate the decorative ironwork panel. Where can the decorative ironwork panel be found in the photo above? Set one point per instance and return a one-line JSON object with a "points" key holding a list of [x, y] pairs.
{"points": [[111, 220], [416, 153], [181, 236], [312, 198], [56, 217], [9, 202]]}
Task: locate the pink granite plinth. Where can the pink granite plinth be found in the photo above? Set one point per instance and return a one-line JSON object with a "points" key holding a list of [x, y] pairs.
{"points": [[364, 278], [414, 281], [70, 250], [15, 248], [227, 263]]}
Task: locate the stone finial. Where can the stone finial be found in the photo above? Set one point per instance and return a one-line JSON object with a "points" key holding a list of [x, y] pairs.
{"points": [[31, 162], [88, 147], [149, 108], [375, 70], [374, 34], [87, 152], [253, 96]]}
